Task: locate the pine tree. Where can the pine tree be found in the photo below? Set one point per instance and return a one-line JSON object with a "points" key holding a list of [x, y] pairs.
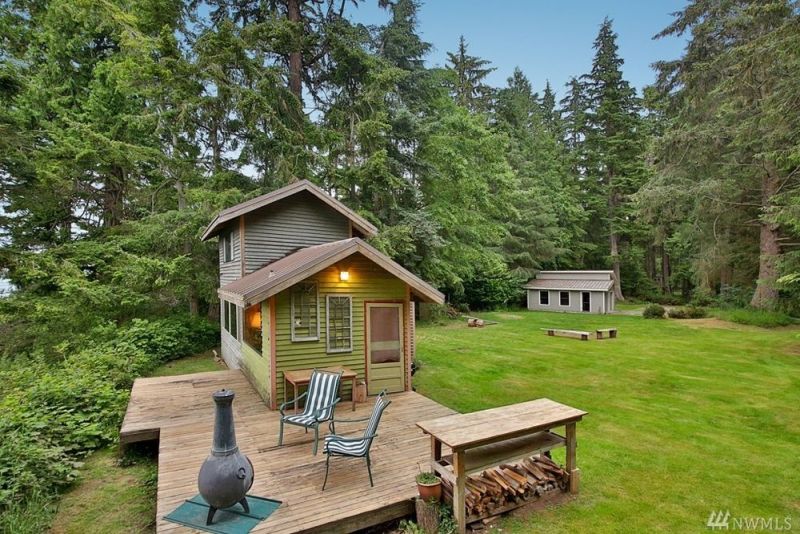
{"points": [[732, 137], [469, 74], [613, 147]]}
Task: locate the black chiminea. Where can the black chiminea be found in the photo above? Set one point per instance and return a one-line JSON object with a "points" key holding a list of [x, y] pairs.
{"points": [[227, 474]]}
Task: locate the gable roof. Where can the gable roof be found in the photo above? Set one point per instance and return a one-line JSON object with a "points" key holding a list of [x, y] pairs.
{"points": [[570, 284], [229, 214], [289, 270]]}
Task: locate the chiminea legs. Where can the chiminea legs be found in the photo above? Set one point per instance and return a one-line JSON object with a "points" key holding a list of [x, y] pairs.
{"points": [[212, 510]]}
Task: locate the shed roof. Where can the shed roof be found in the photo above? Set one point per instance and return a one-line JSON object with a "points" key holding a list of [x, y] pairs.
{"points": [[572, 284], [226, 215], [287, 271]]}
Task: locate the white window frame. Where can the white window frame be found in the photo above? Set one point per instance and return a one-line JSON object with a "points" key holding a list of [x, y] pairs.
{"points": [[544, 292], [226, 318], [294, 337], [227, 244], [328, 348], [569, 299]]}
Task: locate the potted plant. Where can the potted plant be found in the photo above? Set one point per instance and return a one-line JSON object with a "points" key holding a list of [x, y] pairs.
{"points": [[429, 486]]}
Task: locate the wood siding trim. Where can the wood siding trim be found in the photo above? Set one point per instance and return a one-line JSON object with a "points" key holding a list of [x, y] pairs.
{"points": [[273, 355], [243, 247], [408, 332]]}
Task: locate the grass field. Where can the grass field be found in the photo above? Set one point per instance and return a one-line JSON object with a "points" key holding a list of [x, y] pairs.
{"points": [[685, 417]]}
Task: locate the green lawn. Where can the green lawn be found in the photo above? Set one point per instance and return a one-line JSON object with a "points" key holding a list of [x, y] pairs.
{"points": [[684, 417], [114, 494]]}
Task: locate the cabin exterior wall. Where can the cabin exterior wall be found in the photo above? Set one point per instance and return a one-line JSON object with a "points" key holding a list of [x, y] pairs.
{"points": [[296, 222], [368, 283]]}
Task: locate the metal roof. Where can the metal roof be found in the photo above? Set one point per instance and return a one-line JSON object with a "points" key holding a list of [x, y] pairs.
{"points": [[564, 285], [287, 271], [229, 214]]}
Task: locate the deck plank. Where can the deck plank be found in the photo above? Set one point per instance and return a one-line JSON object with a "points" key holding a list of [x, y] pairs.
{"points": [[179, 411]]}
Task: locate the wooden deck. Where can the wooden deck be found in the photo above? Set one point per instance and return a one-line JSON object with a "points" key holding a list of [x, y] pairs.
{"points": [[178, 411]]}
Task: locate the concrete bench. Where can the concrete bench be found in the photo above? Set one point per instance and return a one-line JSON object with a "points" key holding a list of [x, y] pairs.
{"points": [[576, 334], [606, 333]]}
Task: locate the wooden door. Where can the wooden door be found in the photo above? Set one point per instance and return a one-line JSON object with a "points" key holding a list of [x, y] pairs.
{"points": [[384, 347]]}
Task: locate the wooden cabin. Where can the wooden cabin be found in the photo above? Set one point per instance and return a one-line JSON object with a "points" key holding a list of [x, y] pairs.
{"points": [[300, 288], [572, 291]]}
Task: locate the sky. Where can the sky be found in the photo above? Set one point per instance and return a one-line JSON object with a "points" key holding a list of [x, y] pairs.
{"points": [[549, 40]]}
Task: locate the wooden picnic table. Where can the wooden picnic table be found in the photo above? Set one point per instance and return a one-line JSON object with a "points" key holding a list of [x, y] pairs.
{"points": [[491, 437], [303, 376]]}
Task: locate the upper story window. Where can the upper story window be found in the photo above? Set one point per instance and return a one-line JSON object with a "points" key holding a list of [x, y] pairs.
{"points": [[339, 323], [252, 327], [230, 318], [226, 240], [305, 312], [564, 298], [544, 298]]}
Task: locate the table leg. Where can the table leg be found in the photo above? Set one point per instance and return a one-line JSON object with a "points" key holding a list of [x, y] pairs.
{"points": [[572, 467], [436, 449], [294, 392], [353, 393], [459, 512]]}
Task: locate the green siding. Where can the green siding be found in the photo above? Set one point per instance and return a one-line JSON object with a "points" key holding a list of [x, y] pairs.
{"points": [[255, 365], [368, 282]]}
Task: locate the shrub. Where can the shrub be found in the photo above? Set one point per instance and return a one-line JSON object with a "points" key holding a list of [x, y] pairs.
{"points": [[52, 415], [678, 313], [753, 317], [653, 311], [689, 312]]}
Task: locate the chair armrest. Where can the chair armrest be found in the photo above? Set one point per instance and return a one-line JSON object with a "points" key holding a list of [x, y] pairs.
{"points": [[331, 405], [292, 401]]}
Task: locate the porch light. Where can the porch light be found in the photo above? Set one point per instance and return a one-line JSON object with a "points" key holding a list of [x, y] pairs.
{"points": [[344, 276]]}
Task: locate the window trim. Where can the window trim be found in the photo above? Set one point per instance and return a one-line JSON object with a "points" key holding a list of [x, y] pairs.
{"points": [[226, 319], [544, 292], [569, 299], [258, 349], [328, 348], [227, 244], [295, 338]]}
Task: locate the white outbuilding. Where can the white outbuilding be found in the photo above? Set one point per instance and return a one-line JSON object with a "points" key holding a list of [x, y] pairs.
{"points": [[572, 291]]}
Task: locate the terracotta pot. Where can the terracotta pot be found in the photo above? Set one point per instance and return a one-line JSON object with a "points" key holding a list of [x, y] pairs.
{"points": [[431, 491]]}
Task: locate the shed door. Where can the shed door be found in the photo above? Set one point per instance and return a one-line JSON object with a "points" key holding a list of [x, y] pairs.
{"points": [[385, 368], [586, 301]]}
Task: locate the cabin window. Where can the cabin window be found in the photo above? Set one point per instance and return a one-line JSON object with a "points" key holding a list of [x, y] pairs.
{"points": [[564, 298], [305, 312], [339, 310], [544, 298], [252, 327], [229, 318], [227, 247]]}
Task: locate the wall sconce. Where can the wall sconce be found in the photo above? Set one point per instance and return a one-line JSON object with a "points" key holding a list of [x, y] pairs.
{"points": [[344, 276]]}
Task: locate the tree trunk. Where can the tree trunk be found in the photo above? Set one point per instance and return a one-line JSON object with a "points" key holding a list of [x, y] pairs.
{"points": [[766, 293], [615, 265], [666, 271], [194, 301], [113, 194], [296, 55]]}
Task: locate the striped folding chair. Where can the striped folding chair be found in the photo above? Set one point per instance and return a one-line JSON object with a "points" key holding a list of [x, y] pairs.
{"points": [[321, 398], [355, 447]]}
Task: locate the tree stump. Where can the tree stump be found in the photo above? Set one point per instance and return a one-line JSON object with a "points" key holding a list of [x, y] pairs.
{"points": [[427, 515]]}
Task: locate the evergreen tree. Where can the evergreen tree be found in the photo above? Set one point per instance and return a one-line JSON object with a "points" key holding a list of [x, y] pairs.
{"points": [[469, 74], [731, 138], [613, 147]]}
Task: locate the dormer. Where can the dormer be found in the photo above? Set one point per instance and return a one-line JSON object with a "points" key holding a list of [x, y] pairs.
{"points": [[267, 228]]}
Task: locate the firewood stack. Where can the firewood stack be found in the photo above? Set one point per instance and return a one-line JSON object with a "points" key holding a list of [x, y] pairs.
{"points": [[504, 487]]}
